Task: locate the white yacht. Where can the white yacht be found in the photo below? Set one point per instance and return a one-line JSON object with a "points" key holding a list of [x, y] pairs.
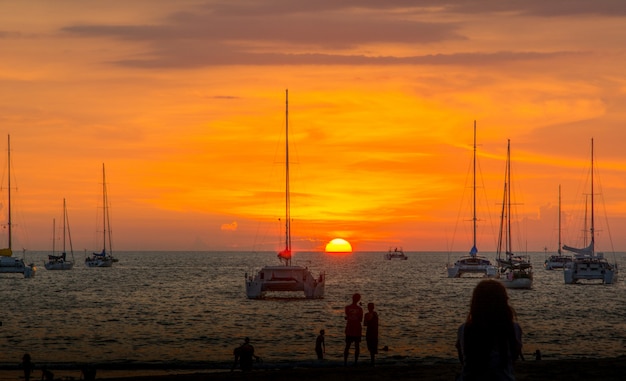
{"points": [[104, 258], [516, 271], [9, 263], [588, 265], [285, 277], [396, 254], [472, 264], [559, 260]]}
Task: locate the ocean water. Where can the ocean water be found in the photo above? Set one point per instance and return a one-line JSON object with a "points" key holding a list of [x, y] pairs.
{"points": [[189, 309]]}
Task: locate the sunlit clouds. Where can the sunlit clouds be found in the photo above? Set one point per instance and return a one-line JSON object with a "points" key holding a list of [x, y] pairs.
{"points": [[184, 103]]}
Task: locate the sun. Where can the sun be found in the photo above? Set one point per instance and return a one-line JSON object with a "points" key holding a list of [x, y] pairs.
{"points": [[338, 245]]}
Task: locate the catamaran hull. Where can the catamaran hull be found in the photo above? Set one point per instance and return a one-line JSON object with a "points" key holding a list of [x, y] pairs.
{"points": [[285, 279], [98, 262], [59, 265], [556, 263], [589, 271], [472, 266], [9, 265], [518, 284]]}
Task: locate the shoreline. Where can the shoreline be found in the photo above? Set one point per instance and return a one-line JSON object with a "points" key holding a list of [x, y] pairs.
{"points": [[565, 369]]}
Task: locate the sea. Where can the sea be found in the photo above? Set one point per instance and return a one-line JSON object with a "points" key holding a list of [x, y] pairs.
{"points": [[188, 310]]}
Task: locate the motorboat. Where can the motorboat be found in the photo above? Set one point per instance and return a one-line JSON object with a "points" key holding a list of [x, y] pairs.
{"points": [[396, 254]]}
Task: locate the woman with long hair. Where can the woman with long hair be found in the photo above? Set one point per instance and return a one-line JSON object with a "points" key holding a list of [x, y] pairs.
{"points": [[490, 340]]}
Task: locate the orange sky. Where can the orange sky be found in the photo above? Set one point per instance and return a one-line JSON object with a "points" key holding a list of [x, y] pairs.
{"points": [[184, 103]]}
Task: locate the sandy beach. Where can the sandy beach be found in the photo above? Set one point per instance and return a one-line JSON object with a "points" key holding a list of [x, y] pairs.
{"points": [[605, 369]]}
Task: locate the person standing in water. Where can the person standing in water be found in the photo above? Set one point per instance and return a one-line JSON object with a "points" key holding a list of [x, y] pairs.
{"points": [[370, 321], [490, 340], [320, 345], [354, 316]]}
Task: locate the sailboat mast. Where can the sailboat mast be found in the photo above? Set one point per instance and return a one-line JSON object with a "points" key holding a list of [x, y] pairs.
{"points": [[474, 192], [104, 211], [64, 225], [559, 250], [9, 190], [287, 190], [53, 236], [592, 230], [509, 247]]}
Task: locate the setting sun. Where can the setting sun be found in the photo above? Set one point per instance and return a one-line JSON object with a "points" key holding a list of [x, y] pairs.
{"points": [[338, 245]]}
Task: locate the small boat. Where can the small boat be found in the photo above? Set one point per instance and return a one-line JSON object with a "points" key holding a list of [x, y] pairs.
{"points": [[472, 264], [285, 277], [9, 263], [396, 254], [559, 260], [104, 258], [516, 271], [587, 264], [60, 262]]}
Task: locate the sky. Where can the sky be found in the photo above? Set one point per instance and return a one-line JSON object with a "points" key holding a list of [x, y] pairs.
{"points": [[184, 104]]}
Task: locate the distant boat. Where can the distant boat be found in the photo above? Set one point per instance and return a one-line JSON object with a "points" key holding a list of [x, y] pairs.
{"points": [[285, 277], [104, 258], [587, 264], [516, 271], [8, 263], [396, 254], [60, 262], [472, 263], [557, 261]]}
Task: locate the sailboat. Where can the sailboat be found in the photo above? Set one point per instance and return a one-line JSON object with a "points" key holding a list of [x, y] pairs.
{"points": [[285, 277], [9, 263], [587, 263], [60, 262], [104, 258], [516, 271], [557, 261], [472, 263]]}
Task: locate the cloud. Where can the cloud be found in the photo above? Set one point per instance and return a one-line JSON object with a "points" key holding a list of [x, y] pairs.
{"points": [[229, 227]]}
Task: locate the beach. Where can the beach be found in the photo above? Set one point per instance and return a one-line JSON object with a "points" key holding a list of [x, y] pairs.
{"points": [[605, 369]]}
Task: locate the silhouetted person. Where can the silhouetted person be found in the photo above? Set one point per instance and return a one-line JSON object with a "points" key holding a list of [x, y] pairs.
{"points": [[354, 316], [246, 355], [370, 321], [490, 340], [537, 355], [28, 366], [89, 373], [320, 345], [46, 375]]}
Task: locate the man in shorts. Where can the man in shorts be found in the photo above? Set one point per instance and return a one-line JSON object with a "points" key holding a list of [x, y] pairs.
{"points": [[354, 317]]}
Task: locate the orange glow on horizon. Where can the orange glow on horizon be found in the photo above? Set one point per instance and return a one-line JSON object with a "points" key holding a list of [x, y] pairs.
{"points": [[338, 245]]}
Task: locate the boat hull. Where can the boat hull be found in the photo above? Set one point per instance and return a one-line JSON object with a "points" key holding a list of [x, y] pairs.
{"points": [[10, 265], [89, 262], [60, 265], [472, 265], [590, 269], [556, 262], [285, 279]]}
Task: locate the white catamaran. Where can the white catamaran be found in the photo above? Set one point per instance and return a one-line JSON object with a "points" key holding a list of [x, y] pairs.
{"points": [[60, 262], [9, 263], [104, 258], [472, 263], [516, 271], [587, 263], [285, 277], [557, 261]]}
